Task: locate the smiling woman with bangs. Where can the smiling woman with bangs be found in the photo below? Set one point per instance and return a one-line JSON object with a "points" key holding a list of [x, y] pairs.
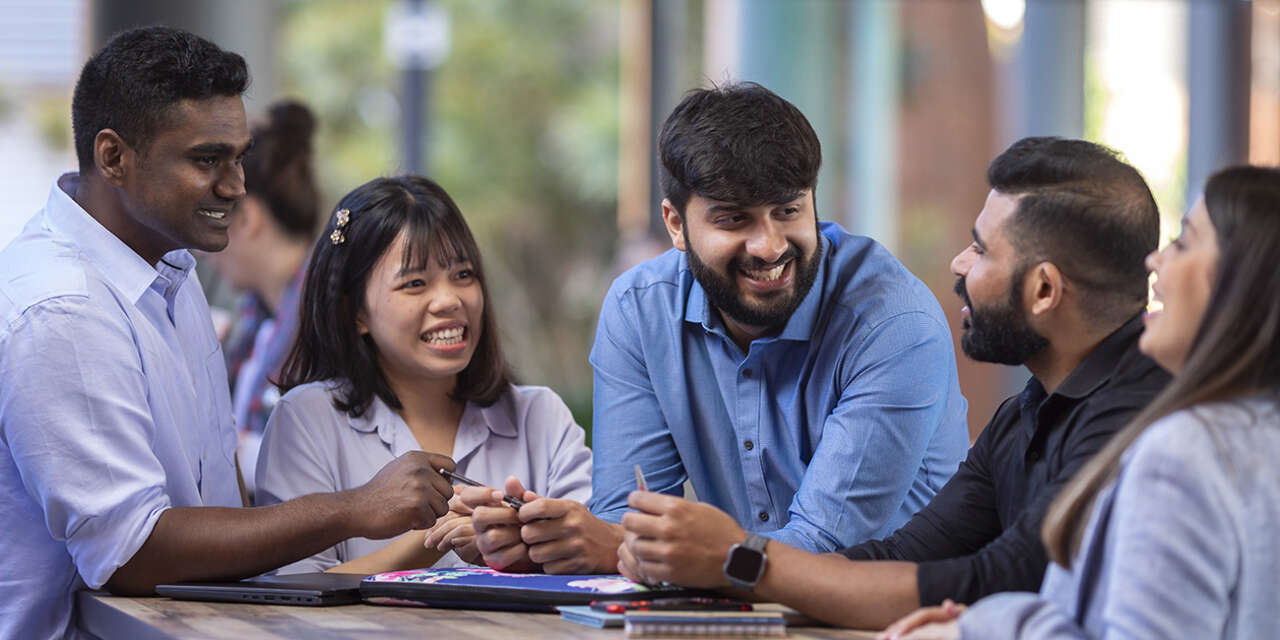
{"points": [[398, 350]]}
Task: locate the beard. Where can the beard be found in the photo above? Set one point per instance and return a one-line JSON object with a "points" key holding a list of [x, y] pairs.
{"points": [[1000, 333], [723, 291]]}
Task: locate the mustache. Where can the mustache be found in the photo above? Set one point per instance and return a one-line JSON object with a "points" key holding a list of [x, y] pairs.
{"points": [[963, 292], [756, 264]]}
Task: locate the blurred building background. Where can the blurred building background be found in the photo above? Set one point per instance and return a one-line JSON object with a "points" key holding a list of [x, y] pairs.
{"points": [[540, 117]]}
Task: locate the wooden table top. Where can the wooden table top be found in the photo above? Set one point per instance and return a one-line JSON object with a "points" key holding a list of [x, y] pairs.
{"points": [[110, 617]]}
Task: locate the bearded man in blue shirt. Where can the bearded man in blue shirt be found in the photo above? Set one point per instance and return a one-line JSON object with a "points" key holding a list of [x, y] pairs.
{"points": [[798, 377]]}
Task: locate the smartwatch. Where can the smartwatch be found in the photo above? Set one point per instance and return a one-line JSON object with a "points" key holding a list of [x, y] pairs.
{"points": [[745, 563]]}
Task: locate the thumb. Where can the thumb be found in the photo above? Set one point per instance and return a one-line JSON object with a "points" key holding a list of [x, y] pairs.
{"points": [[513, 487]]}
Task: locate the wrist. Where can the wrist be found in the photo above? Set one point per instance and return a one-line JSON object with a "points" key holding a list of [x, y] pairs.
{"points": [[745, 563]]}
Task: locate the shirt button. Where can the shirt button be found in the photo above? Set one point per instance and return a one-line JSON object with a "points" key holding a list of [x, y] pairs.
{"points": [[746, 373], [1034, 456], [764, 516], [749, 445]]}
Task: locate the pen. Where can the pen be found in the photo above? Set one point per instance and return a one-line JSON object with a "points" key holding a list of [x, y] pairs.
{"points": [[513, 501], [673, 604]]}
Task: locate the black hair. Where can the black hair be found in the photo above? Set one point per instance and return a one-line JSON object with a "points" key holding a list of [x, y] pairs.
{"points": [[278, 170], [1087, 211], [1236, 349], [329, 344], [740, 143], [132, 82]]}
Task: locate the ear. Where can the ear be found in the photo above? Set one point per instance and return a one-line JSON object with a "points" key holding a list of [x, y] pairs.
{"points": [[675, 224], [113, 157], [1043, 288], [362, 322]]}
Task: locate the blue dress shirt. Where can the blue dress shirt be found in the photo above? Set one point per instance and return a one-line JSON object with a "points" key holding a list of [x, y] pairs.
{"points": [[832, 432], [113, 407]]}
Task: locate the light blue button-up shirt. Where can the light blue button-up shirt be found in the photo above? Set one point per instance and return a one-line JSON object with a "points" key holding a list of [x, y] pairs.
{"points": [[832, 432], [113, 407]]}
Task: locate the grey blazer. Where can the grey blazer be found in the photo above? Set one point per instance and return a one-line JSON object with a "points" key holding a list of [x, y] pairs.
{"points": [[1184, 544]]}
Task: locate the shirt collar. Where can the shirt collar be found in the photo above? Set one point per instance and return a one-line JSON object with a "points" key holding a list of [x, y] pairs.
{"points": [[473, 428], [799, 326], [123, 268], [1096, 368]]}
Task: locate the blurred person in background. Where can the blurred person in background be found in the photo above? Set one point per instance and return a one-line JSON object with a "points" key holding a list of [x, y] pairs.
{"points": [[265, 258], [1170, 531]]}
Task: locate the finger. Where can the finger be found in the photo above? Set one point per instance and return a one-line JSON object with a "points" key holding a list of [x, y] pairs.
{"points": [[543, 530], [479, 496], [443, 529], [513, 487], [456, 504], [488, 517], [650, 502], [438, 462], [451, 538], [506, 557], [912, 620], [492, 540], [644, 525], [545, 509]]}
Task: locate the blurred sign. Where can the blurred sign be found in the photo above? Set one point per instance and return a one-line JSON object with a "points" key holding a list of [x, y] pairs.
{"points": [[417, 35]]}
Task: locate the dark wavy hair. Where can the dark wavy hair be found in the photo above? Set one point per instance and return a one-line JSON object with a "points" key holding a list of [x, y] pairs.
{"points": [[330, 347], [279, 172], [1086, 210], [132, 82], [1235, 352], [740, 143]]}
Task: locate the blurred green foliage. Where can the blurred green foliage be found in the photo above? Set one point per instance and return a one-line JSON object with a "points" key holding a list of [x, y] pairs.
{"points": [[523, 133]]}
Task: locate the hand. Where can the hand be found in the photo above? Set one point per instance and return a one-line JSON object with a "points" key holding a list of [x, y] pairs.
{"points": [[927, 623], [670, 539], [497, 527], [454, 532], [407, 493], [564, 537]]}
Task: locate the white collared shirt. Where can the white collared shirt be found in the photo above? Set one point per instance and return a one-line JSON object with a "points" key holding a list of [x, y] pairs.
{"points": [[113, 407], [310, 446]]}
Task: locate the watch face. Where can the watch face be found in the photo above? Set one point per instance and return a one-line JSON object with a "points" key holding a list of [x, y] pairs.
{"points": [[745, 564]]}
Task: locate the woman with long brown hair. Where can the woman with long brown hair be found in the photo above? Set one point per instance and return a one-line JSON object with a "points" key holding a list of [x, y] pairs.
{"points": [[1170, 532]]}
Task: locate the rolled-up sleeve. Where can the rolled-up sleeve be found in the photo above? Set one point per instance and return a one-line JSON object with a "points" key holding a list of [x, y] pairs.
{"points": [[892, 402], [77, 423]]}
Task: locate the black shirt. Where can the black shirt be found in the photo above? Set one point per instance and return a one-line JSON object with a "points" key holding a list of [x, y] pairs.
{"points": [[981, 533]]}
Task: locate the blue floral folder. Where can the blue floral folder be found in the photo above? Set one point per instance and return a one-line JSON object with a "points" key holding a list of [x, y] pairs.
{"points": [[476, 588]]}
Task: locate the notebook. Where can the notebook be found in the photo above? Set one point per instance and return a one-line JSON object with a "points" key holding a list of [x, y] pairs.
{"points": [[308, 589], [477, 588], [661, 624]]}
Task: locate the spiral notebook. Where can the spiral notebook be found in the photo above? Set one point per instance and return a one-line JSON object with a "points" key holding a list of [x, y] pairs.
{"points": [[665, 624]]}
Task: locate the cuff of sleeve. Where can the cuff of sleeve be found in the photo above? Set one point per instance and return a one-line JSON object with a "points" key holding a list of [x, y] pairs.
{"points": [[106, 542], [997, 617]]}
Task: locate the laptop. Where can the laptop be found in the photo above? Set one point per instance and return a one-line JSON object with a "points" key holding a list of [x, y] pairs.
{"points": [[305, 589]]}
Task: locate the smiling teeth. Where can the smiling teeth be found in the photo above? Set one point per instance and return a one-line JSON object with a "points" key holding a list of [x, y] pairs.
{"points": [[767, 274], [216, 215], [445, 336]]}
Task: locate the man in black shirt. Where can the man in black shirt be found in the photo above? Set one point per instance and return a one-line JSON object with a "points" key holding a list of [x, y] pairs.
{"points": [[1053, 280]]}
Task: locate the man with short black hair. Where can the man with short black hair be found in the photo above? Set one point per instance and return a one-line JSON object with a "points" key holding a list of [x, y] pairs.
{"points": [[795, 375], [117, 446], [1053, 280]]}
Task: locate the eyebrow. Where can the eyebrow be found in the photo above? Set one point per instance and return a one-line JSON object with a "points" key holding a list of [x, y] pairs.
{"points": [[977, 239], [411, 269], [221, 147], [733, 206]]}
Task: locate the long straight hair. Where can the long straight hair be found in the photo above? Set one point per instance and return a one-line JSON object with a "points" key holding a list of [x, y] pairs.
{"points": [[1236, 350], [330, 347]]}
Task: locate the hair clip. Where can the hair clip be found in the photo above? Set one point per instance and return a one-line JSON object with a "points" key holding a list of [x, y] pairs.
{"points": [[343, 216]]}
